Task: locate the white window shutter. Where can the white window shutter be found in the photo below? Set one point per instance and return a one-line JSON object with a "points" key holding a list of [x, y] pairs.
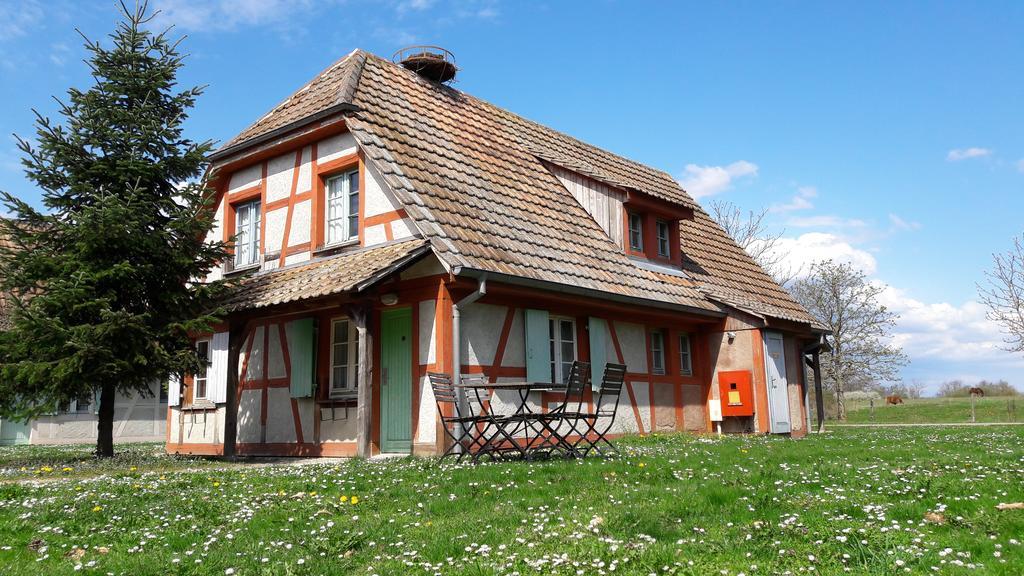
{"points": [[174, 390], [218, 372]]}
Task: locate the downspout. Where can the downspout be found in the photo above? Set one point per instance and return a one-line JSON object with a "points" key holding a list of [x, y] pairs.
{"points": [[481, 290]]}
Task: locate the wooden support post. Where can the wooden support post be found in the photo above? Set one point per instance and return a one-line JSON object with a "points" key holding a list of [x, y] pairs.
{"points": [[364, 408], [236, 337], [818, 396]]}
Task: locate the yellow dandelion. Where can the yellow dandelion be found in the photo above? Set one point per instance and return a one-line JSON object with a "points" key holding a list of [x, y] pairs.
{"points": [[313, 493], [68, 469], [133, 468], [215, 484], [641, 464], [97, 508], [355, 500], [343, 498]]}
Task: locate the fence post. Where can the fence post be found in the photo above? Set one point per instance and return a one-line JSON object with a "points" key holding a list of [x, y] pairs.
{"points": [[871, 403], [973, 417]]}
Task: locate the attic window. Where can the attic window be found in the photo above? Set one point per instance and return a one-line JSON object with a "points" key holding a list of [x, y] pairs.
{"points": [[343, 207], [662, 229], [636, 232]]}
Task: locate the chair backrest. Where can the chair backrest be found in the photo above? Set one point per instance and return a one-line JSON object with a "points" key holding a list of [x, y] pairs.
{"points": [[611, 388], [444, 391], [579, 380]]}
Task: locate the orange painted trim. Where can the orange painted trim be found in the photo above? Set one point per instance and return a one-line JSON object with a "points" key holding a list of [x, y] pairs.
{"points": [[263, 215], [417, 379], [385, 217], [362, 200], [337, 165], [291, 206], [760, 382], [246, 194], [316, 213]]}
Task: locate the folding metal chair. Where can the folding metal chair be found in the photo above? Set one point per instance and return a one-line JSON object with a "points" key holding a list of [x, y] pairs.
{"points": [[607, 406], [549, 435], [474, 430]]}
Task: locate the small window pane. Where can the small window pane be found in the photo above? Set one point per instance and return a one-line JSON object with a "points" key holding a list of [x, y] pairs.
{"points": [[663, 238], [343, 358], [658, 352], [636, 233], [685, 363], [247, 233], [342, 208]]}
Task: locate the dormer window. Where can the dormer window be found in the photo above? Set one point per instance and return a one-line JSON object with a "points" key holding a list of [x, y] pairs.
{"points": [[342, 208], [664, 246], [247, 234], [636, 232]]}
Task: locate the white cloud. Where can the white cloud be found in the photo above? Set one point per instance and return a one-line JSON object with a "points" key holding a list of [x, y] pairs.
{"points": [[800, 201], [901, 224], [18, 18], [958, 154], [229, 15], [702, 181], [802, 252]]}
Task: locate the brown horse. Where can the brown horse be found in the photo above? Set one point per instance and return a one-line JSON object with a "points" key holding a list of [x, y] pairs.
{"points": [[894, 399], [977, 392]]}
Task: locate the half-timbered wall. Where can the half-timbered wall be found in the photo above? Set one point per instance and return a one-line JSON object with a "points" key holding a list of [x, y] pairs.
{"points": [[291, 191]]}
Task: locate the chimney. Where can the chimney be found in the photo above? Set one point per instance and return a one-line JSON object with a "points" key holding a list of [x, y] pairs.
{"points": [[431, 62]]}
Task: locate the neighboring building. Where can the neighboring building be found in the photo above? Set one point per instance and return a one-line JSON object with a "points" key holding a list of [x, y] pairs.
{"points": [[136, 419], [387, 224]]}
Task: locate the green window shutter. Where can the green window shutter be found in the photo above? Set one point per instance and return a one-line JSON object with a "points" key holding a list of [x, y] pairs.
{"points": [[302, 355], [598, 332], [538, 342]]}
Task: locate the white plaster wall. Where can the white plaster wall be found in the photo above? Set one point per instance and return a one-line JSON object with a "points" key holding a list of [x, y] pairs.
{"points": [[254, 369], [301, 223], [249, 416], [280, 172], [280, 421], [480, 331], [427, 332], [305, 181], [402, 229], [374, 235], [274, 229], [198, 426], [633, 341], [427, 266], [245, 178], [216, 235], [307, 412], [296, 258], [515, 348], [377, 198], [342, 428], [136, 419], [335, 147], [426, 431], [275, 355]]}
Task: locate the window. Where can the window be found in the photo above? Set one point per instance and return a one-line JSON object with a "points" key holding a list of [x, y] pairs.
{"points": [[562, 335], [342, 207], [199, 380], [636, 232], [685, 362], [344, 358], [83, 403], [247, 234], [657, 352], [662, 228]]}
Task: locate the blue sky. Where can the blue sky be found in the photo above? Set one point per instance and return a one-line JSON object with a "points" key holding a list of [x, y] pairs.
{"points": [[886, 134]]}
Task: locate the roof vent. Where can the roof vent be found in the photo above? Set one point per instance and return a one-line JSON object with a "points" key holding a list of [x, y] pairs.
{"points": [[431, 62]]}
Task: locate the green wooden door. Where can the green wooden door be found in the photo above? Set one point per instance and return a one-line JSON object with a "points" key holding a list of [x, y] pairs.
{"points": [[396, 380]]}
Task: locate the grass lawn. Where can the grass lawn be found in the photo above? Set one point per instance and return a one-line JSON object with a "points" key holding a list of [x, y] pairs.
{"points": [[867, 501], [70, 461], [938, 410]]}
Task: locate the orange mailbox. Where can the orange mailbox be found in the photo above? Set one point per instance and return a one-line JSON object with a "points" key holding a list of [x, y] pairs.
{"points": [[736, 393]]}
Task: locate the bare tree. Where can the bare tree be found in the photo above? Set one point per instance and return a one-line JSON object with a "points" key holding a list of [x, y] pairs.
{"points": [[847, 303], [749, 231], [1003, 295]]}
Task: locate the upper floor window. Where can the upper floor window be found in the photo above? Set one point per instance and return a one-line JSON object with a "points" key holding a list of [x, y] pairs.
{"points": [[685, 359], [344, 357], [662, 229], [562, 332], [200, 379], [342, 207], [636, 232], [247, 233], [657, 352]]}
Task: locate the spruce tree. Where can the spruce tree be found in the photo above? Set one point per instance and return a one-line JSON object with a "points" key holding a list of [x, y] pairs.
{"points": [[104, 282]]}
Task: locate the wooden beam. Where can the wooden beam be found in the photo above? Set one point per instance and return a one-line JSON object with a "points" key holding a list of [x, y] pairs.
{"points": [[236, 337], [364, 413]]}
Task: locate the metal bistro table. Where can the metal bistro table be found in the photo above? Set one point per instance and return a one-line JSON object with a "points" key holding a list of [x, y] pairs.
{"points": [[520, 420]]}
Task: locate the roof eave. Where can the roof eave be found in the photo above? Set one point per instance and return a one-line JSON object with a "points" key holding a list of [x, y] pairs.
{"points": [[235, 149]]}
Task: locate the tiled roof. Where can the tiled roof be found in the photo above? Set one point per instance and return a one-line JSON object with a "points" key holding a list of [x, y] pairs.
{"points": [[328, 276], [471, 176]]}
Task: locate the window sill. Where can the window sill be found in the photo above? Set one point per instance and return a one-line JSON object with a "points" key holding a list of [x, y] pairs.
{"points": [[336, 246], [199, 406], [238, 270], [336, 400]]}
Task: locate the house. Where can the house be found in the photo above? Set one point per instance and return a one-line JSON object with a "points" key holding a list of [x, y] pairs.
{"points": [[387, 225], [137, 418]]}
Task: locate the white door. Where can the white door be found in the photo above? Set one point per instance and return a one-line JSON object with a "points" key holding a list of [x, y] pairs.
{"points": [[778, 388]]}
